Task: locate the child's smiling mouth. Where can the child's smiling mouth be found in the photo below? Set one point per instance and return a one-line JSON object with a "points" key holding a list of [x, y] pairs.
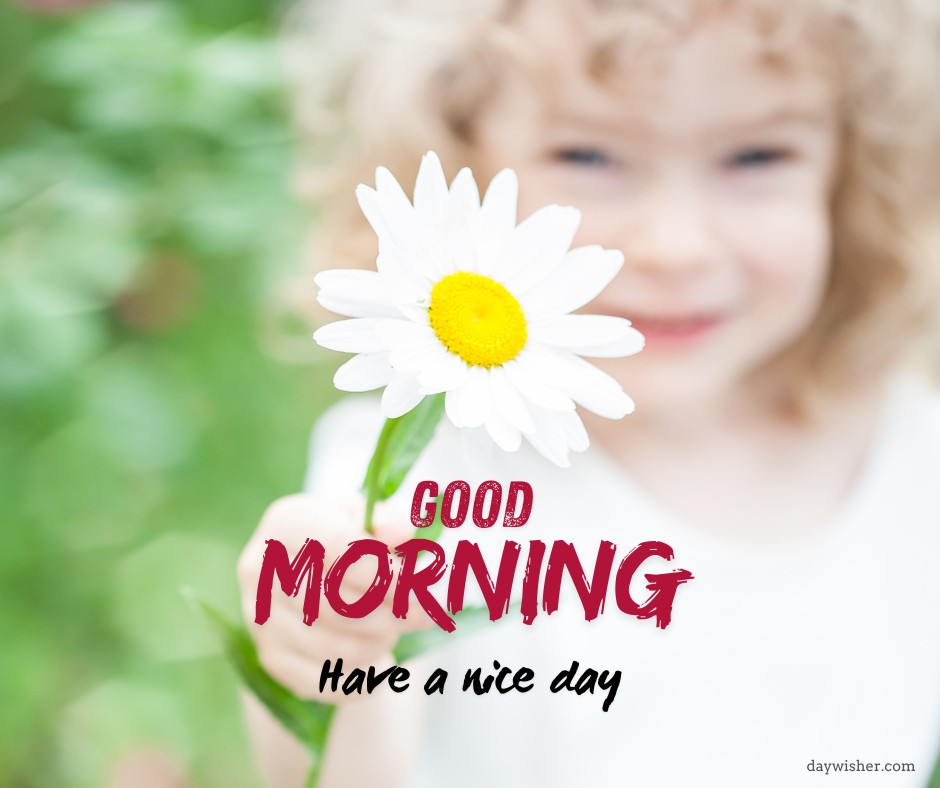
{"points": [[675, 331]]}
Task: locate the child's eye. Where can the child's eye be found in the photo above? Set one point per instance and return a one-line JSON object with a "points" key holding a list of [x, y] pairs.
{"points": [[584, 156], [758, 157]]}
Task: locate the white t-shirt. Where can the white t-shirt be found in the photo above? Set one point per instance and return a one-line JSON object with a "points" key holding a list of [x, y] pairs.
{"points": [[826, 650]]}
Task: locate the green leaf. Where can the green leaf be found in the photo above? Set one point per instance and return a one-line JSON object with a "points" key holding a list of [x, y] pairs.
{"points": [[408, 436], [308, 720], [399, 445]]}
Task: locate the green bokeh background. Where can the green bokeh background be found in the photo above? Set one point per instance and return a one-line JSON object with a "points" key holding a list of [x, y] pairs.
{"points": [[155, 394]]}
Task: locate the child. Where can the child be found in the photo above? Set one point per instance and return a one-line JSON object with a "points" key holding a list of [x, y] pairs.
{"points": [[768, 171]]}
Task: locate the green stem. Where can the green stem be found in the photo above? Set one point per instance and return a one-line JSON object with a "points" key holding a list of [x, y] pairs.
{"points": [[313, 778], [372, 476]]}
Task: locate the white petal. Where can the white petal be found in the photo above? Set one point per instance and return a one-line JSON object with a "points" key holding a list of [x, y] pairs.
{"points": [[355, 293], [477, 450], [583, 274], [432, 216], [369, 205], [575, 433], [600, 336], [387, 184], [398, 333], [415, 357], [400, 236], [554, 452], [555, 367], [464, 250], [431, 198], [446, 374], [440, 241], [415, 314], [498, 212], [364, 372], [504, 434], [392, 218], [405, 287], [610, 405], [556, 434], [464, 196], [483, 246], [509, 401], [549, 438], [400, 395], [474, 401], [536, 248], [357, 335], [583, 382], [595, 390], [452, 408], [521, 375]]}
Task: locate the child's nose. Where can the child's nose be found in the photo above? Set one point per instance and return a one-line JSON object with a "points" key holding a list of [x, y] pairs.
{"points": [[670, 230]]}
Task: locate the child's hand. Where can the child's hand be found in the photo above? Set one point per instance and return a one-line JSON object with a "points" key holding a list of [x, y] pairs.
{"points": [[292, 652]]}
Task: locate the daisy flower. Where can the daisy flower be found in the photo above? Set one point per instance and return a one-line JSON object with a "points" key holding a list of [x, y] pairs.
{"points": [[466, 303]]}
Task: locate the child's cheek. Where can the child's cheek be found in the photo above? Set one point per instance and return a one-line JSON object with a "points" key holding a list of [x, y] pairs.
{"points": [[605, 222], [790, 247]]}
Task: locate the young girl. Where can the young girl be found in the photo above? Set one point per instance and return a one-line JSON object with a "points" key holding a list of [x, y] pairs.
{"points": [[767, 170]]}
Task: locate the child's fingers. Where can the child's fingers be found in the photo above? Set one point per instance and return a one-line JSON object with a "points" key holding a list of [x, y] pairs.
{"points": [[326, 642], [379, 623], [298, 674], [293, 653], [380, 627], [333, 522], [389, 526], [381, 619], [393, 529], [301, 674], [375, 625]]}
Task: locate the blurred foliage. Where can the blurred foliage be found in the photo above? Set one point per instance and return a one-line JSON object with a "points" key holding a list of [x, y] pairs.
{"points": [[146, 413]]}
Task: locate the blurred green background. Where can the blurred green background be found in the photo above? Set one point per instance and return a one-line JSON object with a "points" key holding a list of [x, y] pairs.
{"points": [[155, 394]]}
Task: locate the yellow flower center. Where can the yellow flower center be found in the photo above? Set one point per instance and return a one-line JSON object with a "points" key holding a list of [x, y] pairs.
{"points": [[477, 318]]}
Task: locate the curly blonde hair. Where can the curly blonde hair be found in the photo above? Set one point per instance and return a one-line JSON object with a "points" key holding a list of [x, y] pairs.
{"points": [[382, 81]]}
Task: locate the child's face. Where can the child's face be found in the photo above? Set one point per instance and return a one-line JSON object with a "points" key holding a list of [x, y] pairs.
{"points": [[712, 171]]}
